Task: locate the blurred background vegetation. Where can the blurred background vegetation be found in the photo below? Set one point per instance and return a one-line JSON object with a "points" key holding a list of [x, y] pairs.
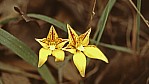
{"points": [[117, 30]]}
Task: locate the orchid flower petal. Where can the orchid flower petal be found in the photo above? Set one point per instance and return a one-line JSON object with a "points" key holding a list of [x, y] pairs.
{"points": [[72, 35], [79, 60], [62, 43], [85, 37], [59, 55], [94, 52], [70, 49], [52, 35], [43, 56], [42, 42]]}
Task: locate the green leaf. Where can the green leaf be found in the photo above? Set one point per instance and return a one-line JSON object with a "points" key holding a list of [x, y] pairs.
{"points": [[118, 48], [55, 22], [115, 47], [23, 51], [49, 20], [102, 22]]}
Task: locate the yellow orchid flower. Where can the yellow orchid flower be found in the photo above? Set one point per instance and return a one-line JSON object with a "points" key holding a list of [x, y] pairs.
{"points": [[78, 45], [51, 45]]}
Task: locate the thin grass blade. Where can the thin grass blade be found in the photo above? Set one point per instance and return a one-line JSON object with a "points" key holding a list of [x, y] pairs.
{"points": [[138, 25], [10, 68], [102, 22], [1, 81], [115, 47], [118, 48]]}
